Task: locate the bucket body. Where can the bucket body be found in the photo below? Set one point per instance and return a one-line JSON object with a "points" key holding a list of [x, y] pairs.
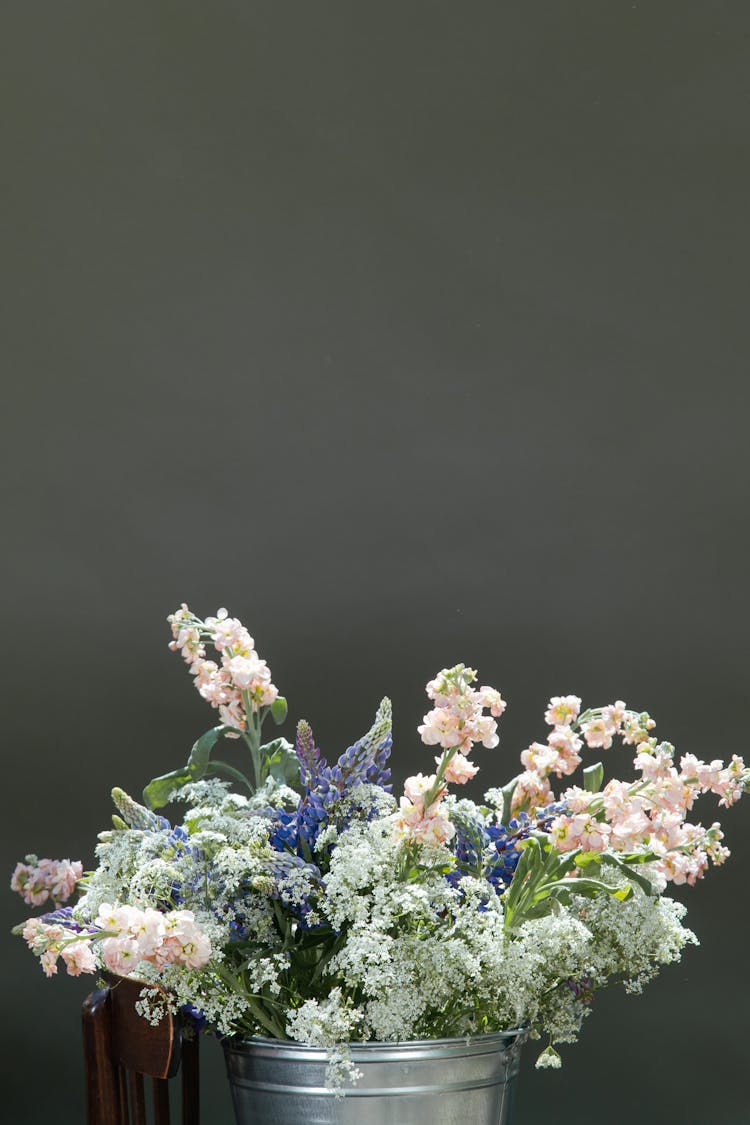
{"points": [[423, 1082]]}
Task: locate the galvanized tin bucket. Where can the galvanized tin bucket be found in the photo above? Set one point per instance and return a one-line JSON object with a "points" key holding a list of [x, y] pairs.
{"points": [[424, 1082]]}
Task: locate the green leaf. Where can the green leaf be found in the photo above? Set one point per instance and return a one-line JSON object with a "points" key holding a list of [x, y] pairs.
{"points": [[279, 710], [223, 769], [197, 763], [157, 792], [589, 888], [507, 792], [640, 880], [278, 759], [593, 776], [584, 859]]}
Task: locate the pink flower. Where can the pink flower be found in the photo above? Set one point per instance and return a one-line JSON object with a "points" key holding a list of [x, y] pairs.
{"points": [[148, 931], [242, 671], [653, 763], [29, 882], [562, 710], [579, 831], [628, 833], [540, 758], [415, 790], [457, 721], [120, 954], [48, 962], [635, 728], [63, 877], [532, 791], [578, 800], [493, 700], [45, 878], [459, 770], [598, 732], [614, 714], [412, 824], [195, 949], [78, 958], [483, 729], [440, 728]]}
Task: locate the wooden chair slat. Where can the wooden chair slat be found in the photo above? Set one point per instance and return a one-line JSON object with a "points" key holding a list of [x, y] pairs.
{"points": [[102, 1086], [190, 1082], [160, 1091], [137, 1098], [122, 1095]]}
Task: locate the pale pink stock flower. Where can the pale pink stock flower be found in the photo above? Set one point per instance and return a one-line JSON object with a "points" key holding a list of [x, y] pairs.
{"points": [[32, 933], [63, 878], [484, 729], [457, 720], [567, 745], [459, 770], [579, 831], [412, 823], [614, 714], [670, 792], [653, 764], [46, 878], [48, 962], [229, 632], [195, 950], [78, 958], [562, 710], [668, 828], [27, 881], [680, 868], [242, 670], [440, 728], [628, 833], [493, 700], [715, 850], [731, 784], [619, 802], [540, 758], [578, 800], [148, 931], [415, 789], [532, 791], [598, 733], [565, 740], [120, 954], [635, 727]]}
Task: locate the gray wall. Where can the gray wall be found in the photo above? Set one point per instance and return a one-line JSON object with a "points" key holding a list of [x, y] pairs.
{"points": [[412, 333]]}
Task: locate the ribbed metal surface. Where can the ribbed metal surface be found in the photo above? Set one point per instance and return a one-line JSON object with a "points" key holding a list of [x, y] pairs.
{"points": [[431, 1082]]}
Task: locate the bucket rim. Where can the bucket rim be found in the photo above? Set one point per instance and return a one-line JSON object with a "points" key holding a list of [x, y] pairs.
{"points": [[484, 1041]]}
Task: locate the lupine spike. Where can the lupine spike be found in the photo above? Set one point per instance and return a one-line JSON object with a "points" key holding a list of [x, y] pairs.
{"points": [[135, 815], [381, 728], [308, 753]]}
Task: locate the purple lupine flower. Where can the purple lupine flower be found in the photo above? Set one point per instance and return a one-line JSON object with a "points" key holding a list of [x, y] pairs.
{"points": [[311, 762]]}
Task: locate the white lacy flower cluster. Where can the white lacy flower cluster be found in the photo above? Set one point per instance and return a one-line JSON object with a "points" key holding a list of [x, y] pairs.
{"points": [[425, 958]]}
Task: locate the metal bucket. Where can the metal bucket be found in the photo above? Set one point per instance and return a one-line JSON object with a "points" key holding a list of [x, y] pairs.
{"points": [[424, 1082]]}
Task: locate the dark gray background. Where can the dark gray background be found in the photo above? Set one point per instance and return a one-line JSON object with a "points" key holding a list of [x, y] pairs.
{"points": [[412, 333]]}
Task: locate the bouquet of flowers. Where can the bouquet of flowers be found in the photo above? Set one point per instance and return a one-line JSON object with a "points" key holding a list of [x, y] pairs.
{"points": [[300, 900]]}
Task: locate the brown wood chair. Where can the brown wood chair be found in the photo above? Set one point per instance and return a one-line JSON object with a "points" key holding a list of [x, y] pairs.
{"points": [[121, 1049]]}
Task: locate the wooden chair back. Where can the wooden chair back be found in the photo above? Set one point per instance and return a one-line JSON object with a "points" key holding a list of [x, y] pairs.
{"points": [[121, 1050]]}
